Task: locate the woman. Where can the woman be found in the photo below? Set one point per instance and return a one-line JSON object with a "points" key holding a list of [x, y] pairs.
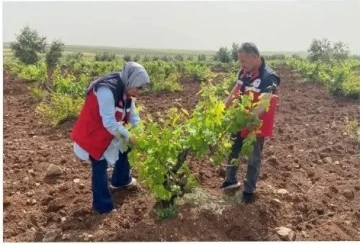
{"points": [[99, 131]]}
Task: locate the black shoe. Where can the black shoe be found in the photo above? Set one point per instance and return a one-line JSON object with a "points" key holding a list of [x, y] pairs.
{"points": [[247, 198], [229, 185]]}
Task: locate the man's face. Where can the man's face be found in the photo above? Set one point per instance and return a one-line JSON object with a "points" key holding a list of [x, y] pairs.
{"points": [[247, 62]]}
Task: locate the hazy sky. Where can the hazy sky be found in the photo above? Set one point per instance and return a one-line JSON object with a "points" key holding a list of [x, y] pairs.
{"points": [[272, 25]]}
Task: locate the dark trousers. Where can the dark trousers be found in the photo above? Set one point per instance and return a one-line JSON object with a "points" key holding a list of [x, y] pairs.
{"points": [[102, 201], [253, 166]]}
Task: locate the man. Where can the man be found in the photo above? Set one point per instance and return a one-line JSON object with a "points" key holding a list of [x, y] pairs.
{"points": [[256, 77]]}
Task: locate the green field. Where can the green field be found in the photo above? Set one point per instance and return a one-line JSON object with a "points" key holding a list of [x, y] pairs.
{"points": [[91, 51]]}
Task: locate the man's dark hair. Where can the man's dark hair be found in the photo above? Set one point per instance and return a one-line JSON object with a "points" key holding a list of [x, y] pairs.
{"points": [[249, 48]]}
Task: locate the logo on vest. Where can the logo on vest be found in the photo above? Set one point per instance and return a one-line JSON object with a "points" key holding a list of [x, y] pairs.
{"points": [[256, 83]]}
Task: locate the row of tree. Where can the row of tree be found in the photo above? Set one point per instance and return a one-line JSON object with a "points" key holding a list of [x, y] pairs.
{"points": [[29, 45]]}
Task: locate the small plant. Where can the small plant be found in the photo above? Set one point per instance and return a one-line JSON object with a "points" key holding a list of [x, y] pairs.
{"points": [[61, 108], [167, 213], [352, 128], [32, 73], [37, 93]]}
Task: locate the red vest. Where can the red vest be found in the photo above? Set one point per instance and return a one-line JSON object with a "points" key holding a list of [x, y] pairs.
{"points": [[268, 117], [89, 131]]}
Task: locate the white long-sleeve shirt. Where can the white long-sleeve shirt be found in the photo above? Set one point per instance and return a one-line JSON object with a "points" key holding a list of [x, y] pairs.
{"points": [[107, 112]]}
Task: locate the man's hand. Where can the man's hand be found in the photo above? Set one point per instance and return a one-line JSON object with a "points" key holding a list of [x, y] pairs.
{"points": [[260, 108], [234, 94]]}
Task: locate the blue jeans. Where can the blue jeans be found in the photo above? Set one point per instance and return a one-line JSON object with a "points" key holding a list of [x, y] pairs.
{"points": [[254, 162], [102, 201]]}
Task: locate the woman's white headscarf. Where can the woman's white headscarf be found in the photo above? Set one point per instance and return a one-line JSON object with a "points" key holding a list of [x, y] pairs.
{"points": [[134, 75]]}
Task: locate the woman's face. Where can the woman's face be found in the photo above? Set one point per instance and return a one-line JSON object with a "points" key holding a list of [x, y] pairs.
{"points": [[133, 92]]}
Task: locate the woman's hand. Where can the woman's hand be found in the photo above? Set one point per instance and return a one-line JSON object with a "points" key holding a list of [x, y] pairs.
{"points": [[133, 140]]}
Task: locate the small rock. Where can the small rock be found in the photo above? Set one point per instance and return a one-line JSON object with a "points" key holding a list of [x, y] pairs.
{"points": [[287, 167], [286, 234], [296, 166], [273, 161], [337, 163], [46, 200], [65, 237], [37, 184], [63, 187], [334, 189], [52, 235], [76, 181], [31, 172], [357, 214], [6, 203], [63, 219], [53, 170], [283, 191], [81, 186], [349, 194], [286, 174], [320, 211], [125, 224], [208, 174], [29, 194], [310, 173], [54, 206], [332, 206], [276, 202], [327, 160], [304, 234], [309, 226]]}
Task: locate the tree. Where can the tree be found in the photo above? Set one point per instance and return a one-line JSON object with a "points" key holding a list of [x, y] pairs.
{"points": [[127, 58], [223, 55], [320, 50], [28, 45], [234, 51], [324, 50], [179, 57], [137, 58], [202, 57], [340, 51], [53, 57], [54, 54], [105, 57]]}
